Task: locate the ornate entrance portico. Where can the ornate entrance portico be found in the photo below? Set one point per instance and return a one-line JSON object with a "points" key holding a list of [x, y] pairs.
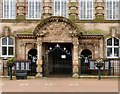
{"points": [[57, 30]]}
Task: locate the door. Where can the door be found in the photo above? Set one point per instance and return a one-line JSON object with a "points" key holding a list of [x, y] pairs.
{"points": [[86, 55], [58, 61], [32, 56]]}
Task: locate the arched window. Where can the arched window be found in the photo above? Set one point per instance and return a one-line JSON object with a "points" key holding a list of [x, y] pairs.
{"points": [[7, 47], [113, 48], [60, 8]]}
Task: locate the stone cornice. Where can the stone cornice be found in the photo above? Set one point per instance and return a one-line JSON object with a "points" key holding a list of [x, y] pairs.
{"points": [[91, 37], [26, 36]]}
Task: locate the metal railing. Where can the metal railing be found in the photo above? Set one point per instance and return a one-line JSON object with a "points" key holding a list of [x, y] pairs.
{"points": [[115, 66], [111, 67]]}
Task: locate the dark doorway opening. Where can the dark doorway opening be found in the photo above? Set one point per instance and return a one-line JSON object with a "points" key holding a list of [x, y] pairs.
{"points": [[85, 56], [32, 56], [58, 59]]}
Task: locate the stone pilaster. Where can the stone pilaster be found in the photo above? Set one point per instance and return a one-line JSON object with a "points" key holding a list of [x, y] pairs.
{"points": [[47, 8], [21, 9], [73, 9], [39, 58], [101, 48], [99, 9], [75, 58]]}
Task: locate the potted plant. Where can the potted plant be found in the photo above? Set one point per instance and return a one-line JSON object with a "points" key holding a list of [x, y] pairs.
{"points": [[99, 63]]}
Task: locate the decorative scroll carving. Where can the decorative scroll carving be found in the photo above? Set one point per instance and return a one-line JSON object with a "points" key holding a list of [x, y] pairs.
{"points": [[57, 29], [113, 31], [56, 25], [6, 31]]}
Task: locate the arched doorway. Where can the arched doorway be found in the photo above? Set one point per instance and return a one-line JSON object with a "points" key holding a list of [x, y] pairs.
{"points": [[56, 30], [32, 55], [86, 54], [58, 60]]}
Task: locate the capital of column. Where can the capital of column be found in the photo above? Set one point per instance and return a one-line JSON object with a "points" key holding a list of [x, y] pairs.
{"points": [[75, 41]]}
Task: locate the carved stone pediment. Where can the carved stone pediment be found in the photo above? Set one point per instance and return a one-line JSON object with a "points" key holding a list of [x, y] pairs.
{"points": [[56, 27]]}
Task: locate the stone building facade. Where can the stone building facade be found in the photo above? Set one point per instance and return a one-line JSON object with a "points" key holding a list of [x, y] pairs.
{"points": [[81, 37]]}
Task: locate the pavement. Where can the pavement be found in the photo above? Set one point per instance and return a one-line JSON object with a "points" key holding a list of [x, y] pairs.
{"points": [[59, 85]]}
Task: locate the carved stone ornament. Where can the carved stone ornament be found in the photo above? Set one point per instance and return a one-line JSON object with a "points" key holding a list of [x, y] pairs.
{"points": [[113, 31], [55, 26], [6, 31]]}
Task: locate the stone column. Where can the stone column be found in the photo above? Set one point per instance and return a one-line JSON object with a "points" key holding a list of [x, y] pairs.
{"points": [[39, 58], [75, 59]]}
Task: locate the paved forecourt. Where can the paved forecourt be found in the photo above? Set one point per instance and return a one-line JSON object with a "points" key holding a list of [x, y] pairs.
{"points": [[59, 85]]}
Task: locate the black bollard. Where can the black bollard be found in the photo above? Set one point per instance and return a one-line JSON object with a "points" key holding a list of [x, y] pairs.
{"points": [[99, 64], [99, 74], [10, 72]]}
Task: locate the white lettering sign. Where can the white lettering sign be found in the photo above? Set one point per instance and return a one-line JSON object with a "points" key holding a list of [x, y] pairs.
{"points": [[63, 56]]}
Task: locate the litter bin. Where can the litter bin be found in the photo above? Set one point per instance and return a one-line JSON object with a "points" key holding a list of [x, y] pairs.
{"points": [[21, 74]]}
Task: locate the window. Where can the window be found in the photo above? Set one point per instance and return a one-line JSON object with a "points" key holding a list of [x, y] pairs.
{"points": [[92, 64], [86, 9], [34, 9], [9, 9], [7, 47], [17, 65], [60, 8], [106, 64], [112, 9], [22, 65], [113, 48], [27, 66]]}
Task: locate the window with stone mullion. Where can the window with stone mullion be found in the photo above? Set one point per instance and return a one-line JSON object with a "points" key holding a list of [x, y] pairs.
{"points": [[112, 9], [60, 8], [34, 9], [9, 9], [64, 8], [113, 48], [86, 9], [7, 47]]}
